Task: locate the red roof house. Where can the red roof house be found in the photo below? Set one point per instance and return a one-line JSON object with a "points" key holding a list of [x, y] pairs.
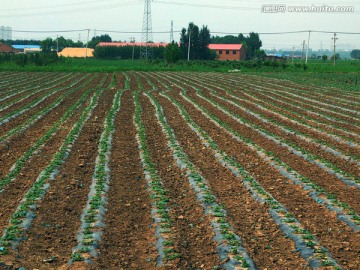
{"points": [[123, 44], [229, 51], [7, 49]]}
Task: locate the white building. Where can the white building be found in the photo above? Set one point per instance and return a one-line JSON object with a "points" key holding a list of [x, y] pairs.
{"points": [[5, 32]]}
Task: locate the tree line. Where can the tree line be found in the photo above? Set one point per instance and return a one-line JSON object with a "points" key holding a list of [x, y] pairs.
{"points": [[193, 44]]}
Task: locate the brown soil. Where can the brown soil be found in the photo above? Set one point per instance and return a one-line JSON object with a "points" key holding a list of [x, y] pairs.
{"points": [[14, 191], [24, 117], [248, 91], [57, 218], [286, 108], [23, 103], [128, 239], [262, 238], [311, 171], [330, 126], [23, 81], [333, 234], [194, 233], [14, 147], [311, 148]]}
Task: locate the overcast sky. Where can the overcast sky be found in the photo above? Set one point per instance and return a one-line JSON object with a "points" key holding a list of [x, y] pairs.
{"points": [[225, 16]]}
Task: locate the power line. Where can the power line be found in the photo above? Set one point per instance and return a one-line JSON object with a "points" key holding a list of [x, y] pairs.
{"points": [[68, 11], [289, 32], [205, 5], [168, 32], [49, 31]]}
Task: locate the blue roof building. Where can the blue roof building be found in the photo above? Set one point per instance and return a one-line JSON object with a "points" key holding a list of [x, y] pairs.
{"points": [[23, 47]]}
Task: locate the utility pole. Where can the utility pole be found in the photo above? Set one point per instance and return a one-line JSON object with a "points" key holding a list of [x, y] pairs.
{"points": [[189, 44], [87, 43], [307, 49], [57, 43], [132, 40], [292, 57], [302, 53], [334, 38]]}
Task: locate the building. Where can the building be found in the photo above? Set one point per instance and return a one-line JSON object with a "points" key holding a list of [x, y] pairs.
{"points": [[138, 44], [229, 51], [77, 52], [5, 33], [27, 48], [7, 49]]}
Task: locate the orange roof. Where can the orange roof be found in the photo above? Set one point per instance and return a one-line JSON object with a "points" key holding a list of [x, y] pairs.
{"points": [[76, 52], [231, 47], [122, 44]]}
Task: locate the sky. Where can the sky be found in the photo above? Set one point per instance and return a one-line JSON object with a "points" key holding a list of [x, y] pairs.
{"points": [[123, 19]]}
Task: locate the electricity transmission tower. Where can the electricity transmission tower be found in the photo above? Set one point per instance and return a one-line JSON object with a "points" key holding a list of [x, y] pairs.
{"points": [[335, 39], [146, 39], [172, 32]]}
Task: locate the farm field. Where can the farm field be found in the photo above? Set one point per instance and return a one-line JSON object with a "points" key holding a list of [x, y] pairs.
{"points": [[177, 170]]}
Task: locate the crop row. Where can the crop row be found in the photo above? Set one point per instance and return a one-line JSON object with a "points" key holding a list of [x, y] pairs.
{"points": [[230, 248], [32, 90], [312, 158], [295, 113], [201, 154], [92, 224], [304, 240], [20, 163], [319, 194], [23, 216]]}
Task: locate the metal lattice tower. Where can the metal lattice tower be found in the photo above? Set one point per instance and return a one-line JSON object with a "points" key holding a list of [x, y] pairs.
{"points": [[172, 32], [146, 49]]}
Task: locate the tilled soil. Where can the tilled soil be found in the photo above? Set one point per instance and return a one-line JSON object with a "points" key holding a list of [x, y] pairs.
{"points": [[15, 190], [350, 195], [194, 234], [128, 239], [57, 218], [261, 236], [331, 232], [14, 147]]}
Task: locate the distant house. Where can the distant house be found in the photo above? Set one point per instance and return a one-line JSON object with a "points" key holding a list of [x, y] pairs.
{"points": [[229, 51], [27, 48], [7, 49], [275, 56], [138, 44], [77, 52]]}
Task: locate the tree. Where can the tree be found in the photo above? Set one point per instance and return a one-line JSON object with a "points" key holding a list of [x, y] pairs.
{"points": [[97, 39], [47, 45], [337, 57], [229, 39], [199, 41], [62, 43], [355, 54], [172, 52], [260, 54], [253, 43], [324, 57]]}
